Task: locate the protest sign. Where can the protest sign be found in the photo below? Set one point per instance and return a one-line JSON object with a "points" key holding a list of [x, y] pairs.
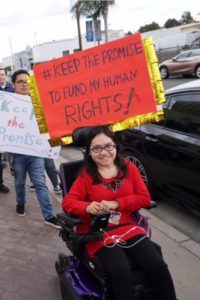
{"points": [[19, 131], [102, 85]]}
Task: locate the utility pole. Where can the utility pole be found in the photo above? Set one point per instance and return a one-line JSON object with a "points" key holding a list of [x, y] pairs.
{"points": [[13, 60]]}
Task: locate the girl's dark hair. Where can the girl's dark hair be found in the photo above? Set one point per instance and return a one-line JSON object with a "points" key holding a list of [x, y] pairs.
{"points": [[90, 164]]}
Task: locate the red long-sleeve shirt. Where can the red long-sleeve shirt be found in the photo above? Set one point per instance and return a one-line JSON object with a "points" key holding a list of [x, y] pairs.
{"points": [[132, 194]]}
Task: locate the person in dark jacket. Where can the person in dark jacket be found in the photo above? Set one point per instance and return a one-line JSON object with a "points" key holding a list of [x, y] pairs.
{"points": [[5, 85]]}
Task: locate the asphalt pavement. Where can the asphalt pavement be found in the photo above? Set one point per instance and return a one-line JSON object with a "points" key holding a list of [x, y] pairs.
{"points": [[29, 249]]}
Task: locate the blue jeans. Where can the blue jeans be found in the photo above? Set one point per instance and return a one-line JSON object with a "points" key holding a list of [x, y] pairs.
{"points": [[34, 166], [51, 171]]}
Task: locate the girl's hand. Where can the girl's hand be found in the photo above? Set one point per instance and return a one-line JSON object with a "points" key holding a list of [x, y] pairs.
{"points": [[109, 205], [94, 208]]}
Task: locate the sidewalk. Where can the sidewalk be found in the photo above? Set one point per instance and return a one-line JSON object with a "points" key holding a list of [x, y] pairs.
{"points": [[29, 249], [182, 256]]}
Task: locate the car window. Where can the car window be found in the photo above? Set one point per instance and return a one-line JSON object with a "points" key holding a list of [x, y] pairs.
{"points": [[183, 113], [182, 55], [194, 53]]}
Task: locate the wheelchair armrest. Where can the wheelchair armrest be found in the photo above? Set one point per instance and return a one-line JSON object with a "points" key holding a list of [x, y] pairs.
{"points": [[153, 204], [68, 220]]}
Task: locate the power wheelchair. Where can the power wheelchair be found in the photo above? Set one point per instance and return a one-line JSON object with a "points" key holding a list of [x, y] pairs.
{"points": [[82, 277]]}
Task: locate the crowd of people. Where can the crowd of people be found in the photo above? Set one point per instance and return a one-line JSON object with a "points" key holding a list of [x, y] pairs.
{"points": [[22, 165]]}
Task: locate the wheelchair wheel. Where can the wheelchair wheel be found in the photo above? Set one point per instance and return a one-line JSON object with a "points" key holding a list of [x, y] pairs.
{"points": [[67, 291]]}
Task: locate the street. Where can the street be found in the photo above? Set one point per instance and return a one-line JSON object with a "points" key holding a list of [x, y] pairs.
{"points": [[174, 81]]}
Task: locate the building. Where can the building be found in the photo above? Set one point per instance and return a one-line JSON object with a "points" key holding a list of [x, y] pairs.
{"points": [[19, 60], [51, 50], [169, 42], [56, 49]]}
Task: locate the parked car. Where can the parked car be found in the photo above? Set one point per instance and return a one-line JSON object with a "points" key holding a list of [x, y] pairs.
{"points": [[186, 63], [167, 153]]}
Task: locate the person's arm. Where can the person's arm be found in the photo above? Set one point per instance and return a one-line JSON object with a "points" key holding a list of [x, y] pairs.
{"points": [[140, 198], [75, 200]]}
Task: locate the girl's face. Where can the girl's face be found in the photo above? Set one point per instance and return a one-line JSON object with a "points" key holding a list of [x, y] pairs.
{"points": [[103, 150]]}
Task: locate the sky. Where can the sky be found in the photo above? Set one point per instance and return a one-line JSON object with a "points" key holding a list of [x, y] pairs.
{"points": [[28, 23]]}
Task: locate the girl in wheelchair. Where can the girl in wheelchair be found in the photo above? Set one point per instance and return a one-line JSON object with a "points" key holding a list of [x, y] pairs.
{"points": [[110, 183]]}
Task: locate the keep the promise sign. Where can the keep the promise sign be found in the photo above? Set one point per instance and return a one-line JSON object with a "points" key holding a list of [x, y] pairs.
{"points": [[19, 131], [101, 85]]}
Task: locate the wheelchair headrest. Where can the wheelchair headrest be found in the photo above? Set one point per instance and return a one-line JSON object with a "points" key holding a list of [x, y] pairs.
{"points": [[79, 136]]}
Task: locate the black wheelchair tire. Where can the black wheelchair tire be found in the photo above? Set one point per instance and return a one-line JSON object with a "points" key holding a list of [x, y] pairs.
{"points": [[143, 168], [67, 291]]}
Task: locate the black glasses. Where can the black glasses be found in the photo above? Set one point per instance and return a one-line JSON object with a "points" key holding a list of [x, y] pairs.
{"points": [[21, 82], [99, 149]]}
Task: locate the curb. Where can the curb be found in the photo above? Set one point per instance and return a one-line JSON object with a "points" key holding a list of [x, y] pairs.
{"points": [[174, 234]]}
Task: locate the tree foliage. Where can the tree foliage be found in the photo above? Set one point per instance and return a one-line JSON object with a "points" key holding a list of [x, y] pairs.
{"points": [[149, 27], [100, 8], [128, 33], [97, 8], [94, 9], [186, 17], [172, 23]]}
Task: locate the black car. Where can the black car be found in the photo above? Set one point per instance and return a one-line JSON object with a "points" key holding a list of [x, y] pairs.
{"points": [[167, 153]]}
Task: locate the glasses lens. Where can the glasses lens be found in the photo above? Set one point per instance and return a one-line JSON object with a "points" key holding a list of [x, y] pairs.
{"points": [[20, 82], [109, 147], [97, 149]]}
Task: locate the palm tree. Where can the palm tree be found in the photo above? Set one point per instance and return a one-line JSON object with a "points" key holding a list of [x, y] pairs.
{"points": [[76, 10], [104, 7], [98, 8], [92, 9]]}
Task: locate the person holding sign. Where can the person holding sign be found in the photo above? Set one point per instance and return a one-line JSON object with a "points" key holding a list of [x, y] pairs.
{"points": [[32, 165], [109, 183]]}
